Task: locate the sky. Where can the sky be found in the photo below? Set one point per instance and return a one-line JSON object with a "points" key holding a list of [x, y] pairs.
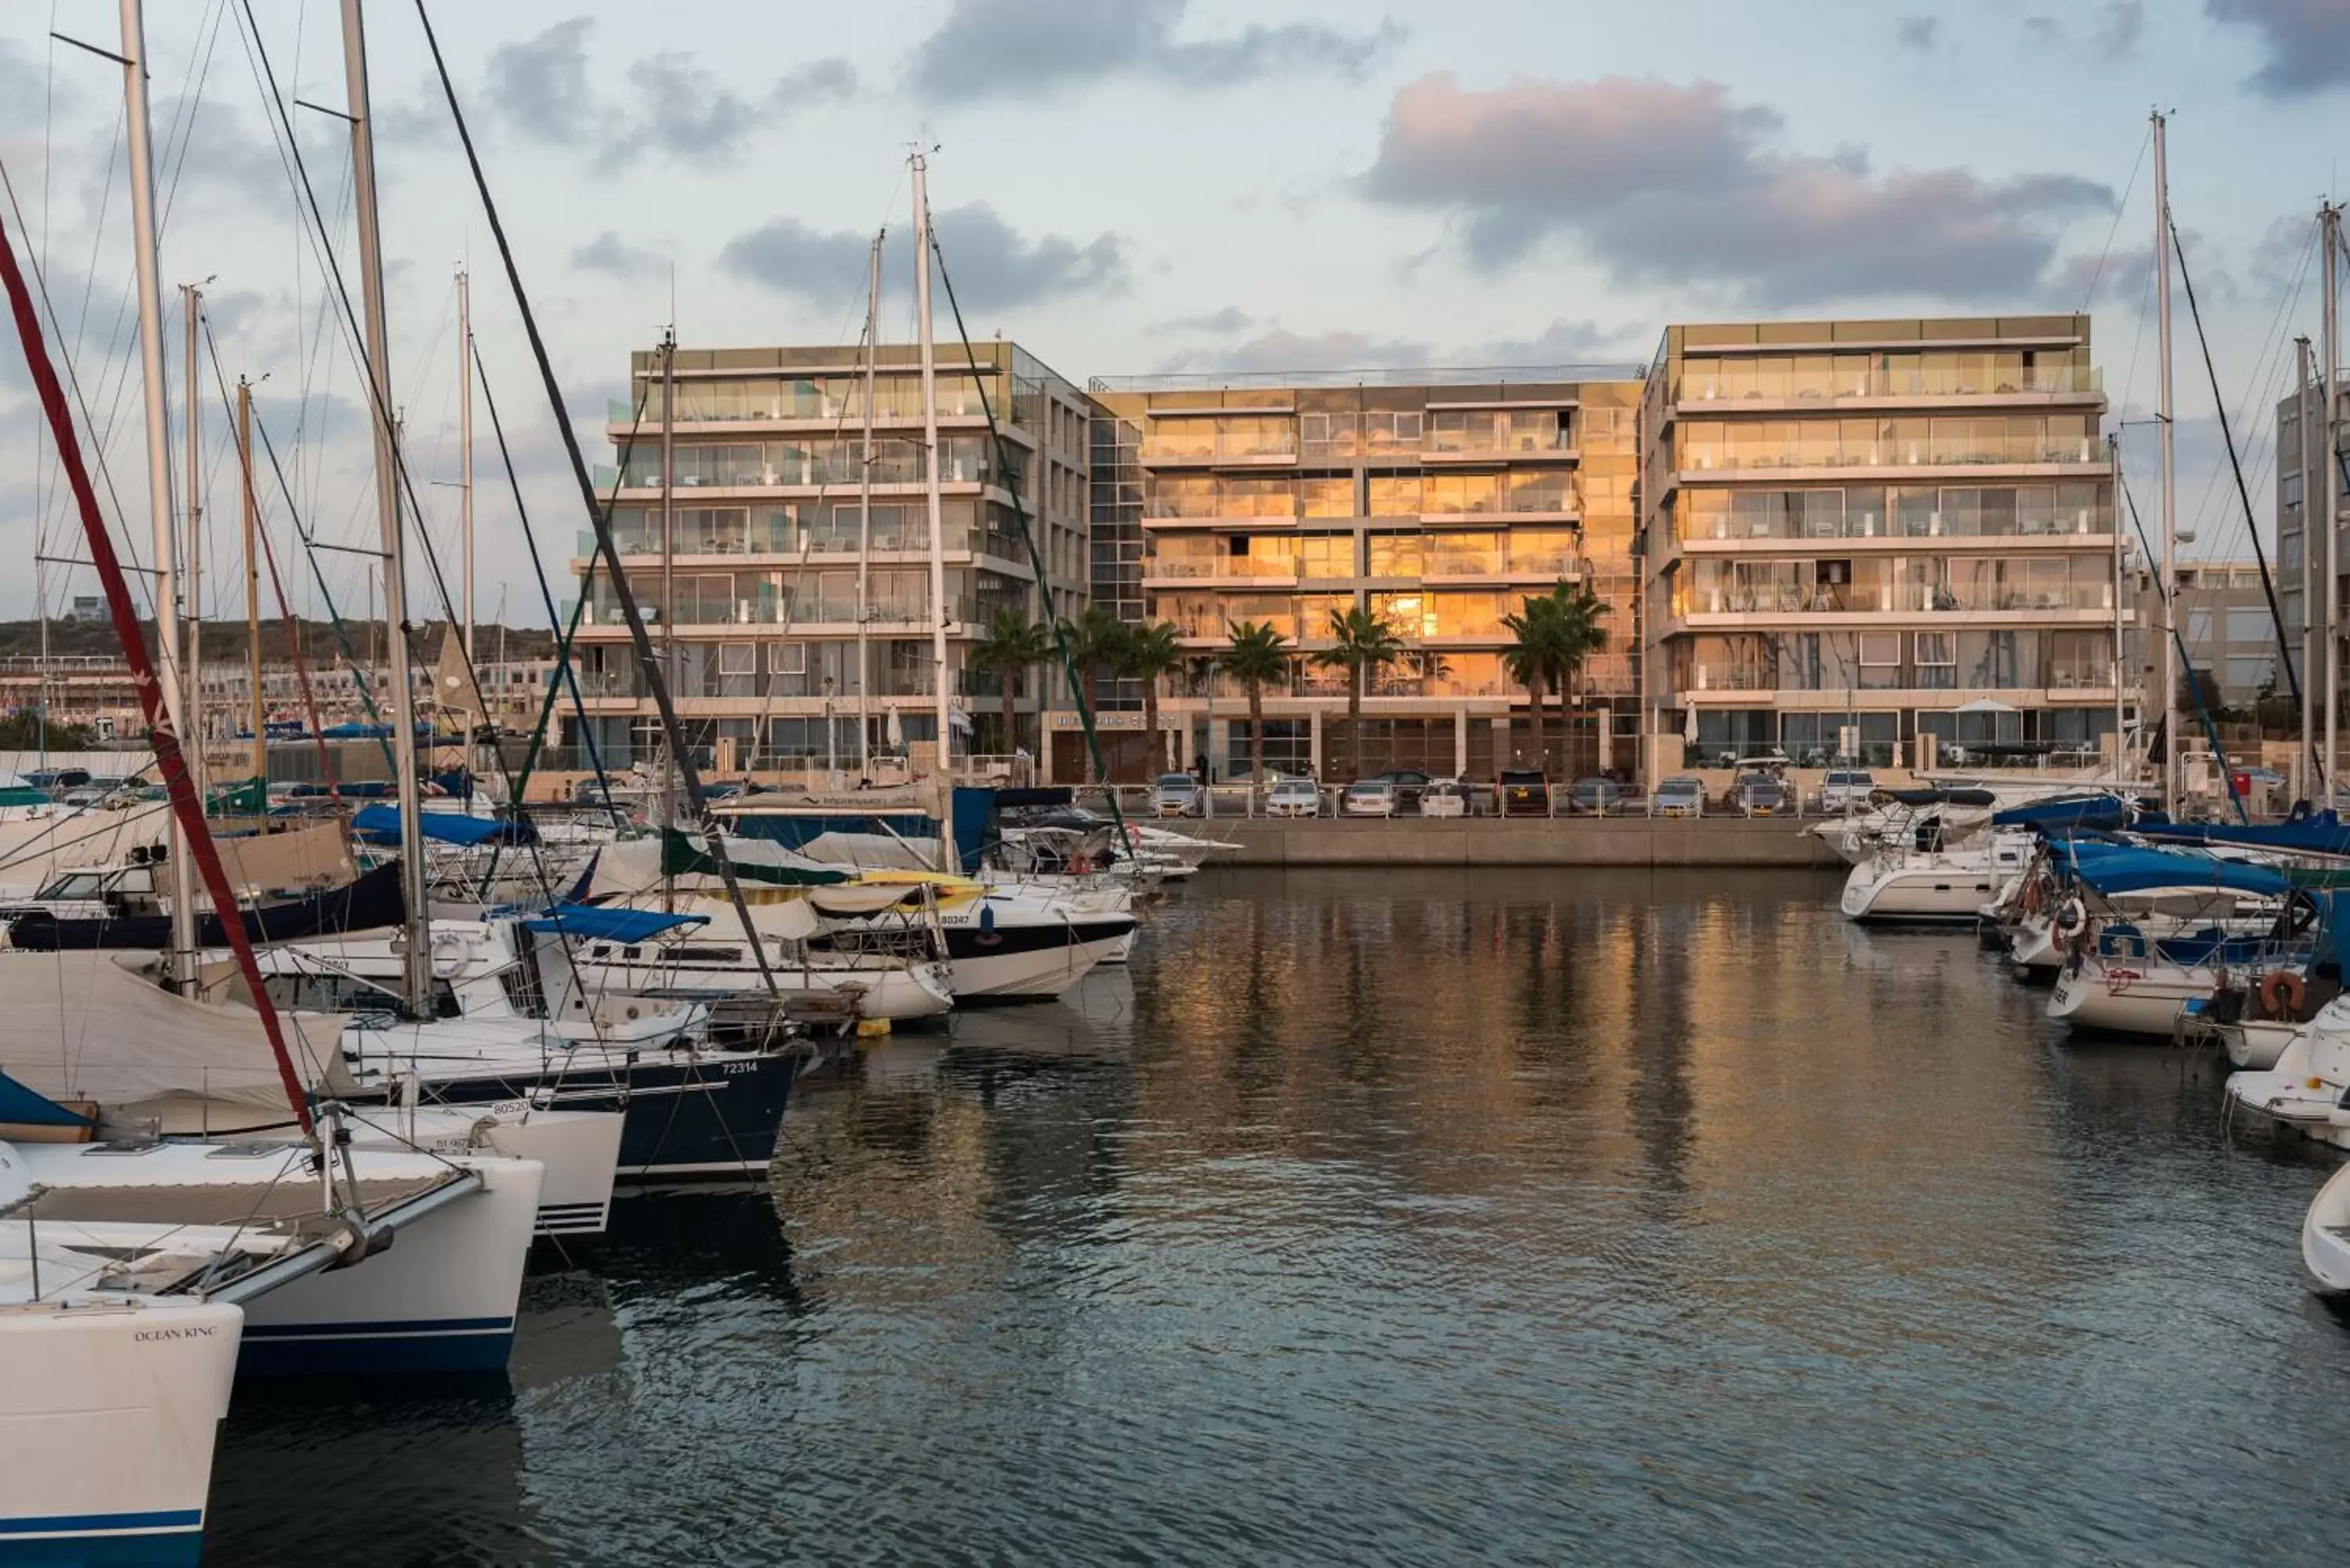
{"points": [[1126, 187]]}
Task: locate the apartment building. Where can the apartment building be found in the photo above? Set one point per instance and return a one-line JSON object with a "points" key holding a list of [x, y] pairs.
{"points": [[2300, 557], [1874, 531], [1438, 500], [2223, 620], [759, 607]]}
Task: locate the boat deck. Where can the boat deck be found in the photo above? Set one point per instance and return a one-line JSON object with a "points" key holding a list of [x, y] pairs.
{"points": [[289, 1206]]}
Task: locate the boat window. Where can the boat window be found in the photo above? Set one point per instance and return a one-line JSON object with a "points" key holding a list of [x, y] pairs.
{"points": [[631, 951], [74, 885], [685, 953]]}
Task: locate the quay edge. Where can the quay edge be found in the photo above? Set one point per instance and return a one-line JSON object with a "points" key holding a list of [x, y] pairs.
{"points": [[1487, 841]]}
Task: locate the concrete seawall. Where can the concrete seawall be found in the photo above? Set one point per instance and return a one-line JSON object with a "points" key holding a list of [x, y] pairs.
{"points": [[1486, 841]]}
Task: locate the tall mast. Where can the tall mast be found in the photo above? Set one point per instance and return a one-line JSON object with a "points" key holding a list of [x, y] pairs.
{"points": [[668, 592], [179, 967], [864, 512], [465, 452], [931, 481], [2121, 755], [2329, 224], [191, 301], [416, 973], [256, 714], [2169, 510], [2302, 459]]}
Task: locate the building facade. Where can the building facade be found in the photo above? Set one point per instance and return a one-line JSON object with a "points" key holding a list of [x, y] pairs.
{"points": [[759, 610], [1860, 532], [2229, 636], [1436, 500], [2300, 555]]}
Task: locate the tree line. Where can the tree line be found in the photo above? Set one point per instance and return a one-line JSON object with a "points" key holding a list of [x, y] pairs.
{"points": [[1552, 636]]}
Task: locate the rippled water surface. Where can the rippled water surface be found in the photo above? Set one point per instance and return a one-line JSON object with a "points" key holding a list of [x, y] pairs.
{"points": [[1413, 1218]]}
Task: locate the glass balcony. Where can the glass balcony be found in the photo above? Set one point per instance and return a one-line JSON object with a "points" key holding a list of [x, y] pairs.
{"points": [[1827, 379]]}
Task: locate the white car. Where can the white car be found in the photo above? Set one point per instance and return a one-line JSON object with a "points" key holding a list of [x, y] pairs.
{"points": [[1681, 796], [1846, 789], [1294, 797], [1368, 798], [1445, 798]]}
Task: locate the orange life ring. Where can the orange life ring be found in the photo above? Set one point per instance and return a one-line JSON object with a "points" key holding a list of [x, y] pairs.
{"points": [[2282, 992]]}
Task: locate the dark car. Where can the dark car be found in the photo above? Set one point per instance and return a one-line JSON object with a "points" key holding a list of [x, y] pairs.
{"points": [[1595, 796], [1410, 785], [1759, 794], [1524, 792]]}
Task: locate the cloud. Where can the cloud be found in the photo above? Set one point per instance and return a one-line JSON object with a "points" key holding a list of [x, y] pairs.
{"points": [[540, 86], [207, 144], [608, 253], [672, 107], [1671, 185], [1231, 318], [991, 264], [25, 87], [1002, 48], [2114, 31], [1564, 342], [1916, 33], [2307, 43], [1282, 351]]}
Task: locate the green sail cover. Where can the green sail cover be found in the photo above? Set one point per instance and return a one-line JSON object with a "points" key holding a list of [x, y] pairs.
{"points": [[754, 860]]}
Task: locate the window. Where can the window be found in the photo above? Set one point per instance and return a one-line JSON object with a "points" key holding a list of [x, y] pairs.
{"points": [[789, 659], [2292, 490], [1880, 659], [2199, 627], [2250, 674], [1937, 660], [2252, 625]]}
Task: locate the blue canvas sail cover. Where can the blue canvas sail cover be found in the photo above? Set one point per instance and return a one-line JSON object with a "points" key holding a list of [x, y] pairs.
{"points": [[23, 1106], [2104, 813], [380, 825], [2320, 833], [608, 923], [2112, 870]]}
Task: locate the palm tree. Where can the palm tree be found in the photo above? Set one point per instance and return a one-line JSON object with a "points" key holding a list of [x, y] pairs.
{"points": [[1258, 653], [1096, 640], [1152, 649], [1011, 646], [1532, 654], [1361, 644], [1577, 634]]}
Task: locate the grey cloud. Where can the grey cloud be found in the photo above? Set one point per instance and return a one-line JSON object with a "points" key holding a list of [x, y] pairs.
{"points": [[608, 253], [539, 86], [1917, 33], [26, 89], [208, 144], [995, 48], [2113, 30], [673, 106], [1563, 342], [991, 264], [1281, 350], [2306, 42], [1231, 318], [1666, 185]]}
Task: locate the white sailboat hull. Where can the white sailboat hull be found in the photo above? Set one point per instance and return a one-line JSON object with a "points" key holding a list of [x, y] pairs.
{"points": [[2144, 999], [442, 1299], [109, 1413], [1935, 893]]}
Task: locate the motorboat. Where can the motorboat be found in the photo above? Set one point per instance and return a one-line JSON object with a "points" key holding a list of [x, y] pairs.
{"points": [[709, 955], [2119, 978], [2304, 1092], [1003, 943], [2325, 1233]]}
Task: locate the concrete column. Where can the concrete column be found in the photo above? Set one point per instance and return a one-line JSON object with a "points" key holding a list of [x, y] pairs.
{"points": [[1043, 748], [1460, 741], [1606, 716], [1314, 741], [1501, 741]]}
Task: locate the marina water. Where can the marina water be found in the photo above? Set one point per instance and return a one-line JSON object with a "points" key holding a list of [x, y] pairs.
{"points": [[1412, 1218]]}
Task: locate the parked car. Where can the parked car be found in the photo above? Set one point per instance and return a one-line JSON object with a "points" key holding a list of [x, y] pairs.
{"points": [[1368, 797], [1174, 795], [1410, 785], [1759, 794], [1846, 789], [1294, 797], [1595, 796], [1679, 797], [56, 781], [1525, 792], [1444, 798]]}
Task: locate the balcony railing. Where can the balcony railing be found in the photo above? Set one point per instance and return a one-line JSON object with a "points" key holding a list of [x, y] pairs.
{"points": [[1903, 598], [1828, 451], [1213, 447], [1875, 526], [1733, 384]]}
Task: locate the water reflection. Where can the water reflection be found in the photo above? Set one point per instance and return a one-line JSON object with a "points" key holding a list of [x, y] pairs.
{"points": [[1418, 1216]]}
